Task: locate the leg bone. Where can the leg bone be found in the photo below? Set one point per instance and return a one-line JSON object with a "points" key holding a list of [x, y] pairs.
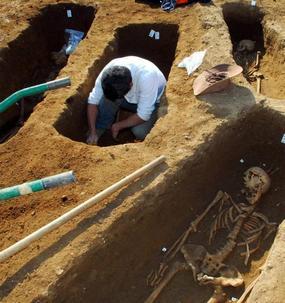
{"points": [[229, 276], [177, 266], [218, 296]]}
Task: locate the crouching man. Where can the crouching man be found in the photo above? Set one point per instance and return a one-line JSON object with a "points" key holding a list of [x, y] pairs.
{"points": [[130, 83]]}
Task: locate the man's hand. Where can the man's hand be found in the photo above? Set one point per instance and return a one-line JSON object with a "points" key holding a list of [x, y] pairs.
{"points": [[131, 121], [92, 138], [116, 127]]}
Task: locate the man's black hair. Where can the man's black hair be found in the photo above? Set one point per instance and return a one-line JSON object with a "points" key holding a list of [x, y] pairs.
{"points": [[116, 82]]}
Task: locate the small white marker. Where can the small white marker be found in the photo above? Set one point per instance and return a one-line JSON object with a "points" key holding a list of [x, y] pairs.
{"points": [[151, 33], [283, 139], [164, 249], [69, 13], [157, 35], [241, 161]]}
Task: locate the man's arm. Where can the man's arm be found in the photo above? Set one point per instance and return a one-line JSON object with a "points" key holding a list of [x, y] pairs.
{"points": [[131, 121], [147, 97], [92, 112]]}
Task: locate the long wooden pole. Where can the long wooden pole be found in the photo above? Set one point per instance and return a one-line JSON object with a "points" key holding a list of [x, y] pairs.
{"points": [[18, 246]]}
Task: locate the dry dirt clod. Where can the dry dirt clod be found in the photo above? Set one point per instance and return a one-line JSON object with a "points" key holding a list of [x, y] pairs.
{"points": [[59, 271], [64, 198]]}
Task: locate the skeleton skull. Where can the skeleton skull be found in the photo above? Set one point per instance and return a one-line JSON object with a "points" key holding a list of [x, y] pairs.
{"points": [[246, 45], [257, 182]]}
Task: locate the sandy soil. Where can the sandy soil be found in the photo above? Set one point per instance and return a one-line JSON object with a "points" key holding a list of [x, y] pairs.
{"points": [[52, 138]]}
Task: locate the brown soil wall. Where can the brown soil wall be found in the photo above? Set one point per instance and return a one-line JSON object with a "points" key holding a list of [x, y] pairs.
{"points": [[273, 61], [27, 60], [117, 272]]}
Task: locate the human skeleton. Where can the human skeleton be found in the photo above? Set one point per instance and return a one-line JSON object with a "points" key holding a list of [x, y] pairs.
{"points": [[245, 226]]}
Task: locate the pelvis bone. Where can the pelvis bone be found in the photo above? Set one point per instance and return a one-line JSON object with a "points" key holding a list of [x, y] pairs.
{"points": [[208, 269]]}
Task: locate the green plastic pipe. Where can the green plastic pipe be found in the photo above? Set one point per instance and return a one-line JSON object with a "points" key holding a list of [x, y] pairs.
{"points": [[37, 185], [33, 90]]}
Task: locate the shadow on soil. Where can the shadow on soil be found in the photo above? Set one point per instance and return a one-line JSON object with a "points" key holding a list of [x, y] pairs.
{"points": [[162, 214], [230, 102], [150, 3], [8, 285]]}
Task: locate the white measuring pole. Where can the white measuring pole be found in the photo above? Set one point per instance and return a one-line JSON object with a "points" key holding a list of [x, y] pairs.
{"points": [[18, 246]]}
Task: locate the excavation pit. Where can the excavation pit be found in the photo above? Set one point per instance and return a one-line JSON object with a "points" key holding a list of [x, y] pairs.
{"points": [[247, 23], [116, 271], [132, 40], [27, 61], [244, 23]]}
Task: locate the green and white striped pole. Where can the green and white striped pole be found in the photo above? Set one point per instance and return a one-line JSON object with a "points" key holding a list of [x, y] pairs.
{"points": [[37, 185]]}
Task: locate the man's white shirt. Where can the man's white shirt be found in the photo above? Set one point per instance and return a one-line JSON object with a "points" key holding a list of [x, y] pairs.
{"points": [[148, 83]]}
